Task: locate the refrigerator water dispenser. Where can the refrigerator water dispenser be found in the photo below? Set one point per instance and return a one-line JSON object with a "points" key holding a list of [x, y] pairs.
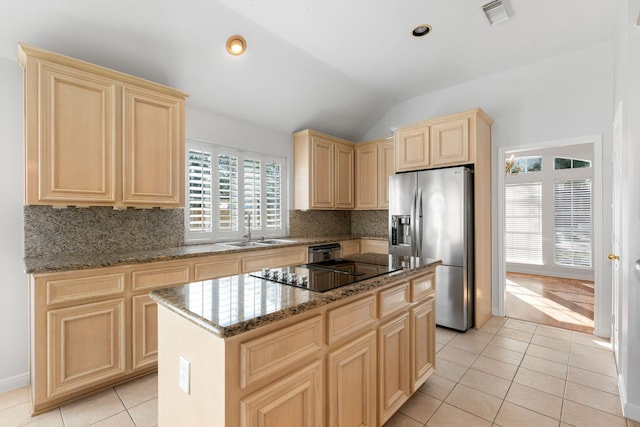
{"points": [[401, 230]]}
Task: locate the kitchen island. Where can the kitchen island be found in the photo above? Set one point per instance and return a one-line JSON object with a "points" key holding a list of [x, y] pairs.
{"points": [[243, 351]]}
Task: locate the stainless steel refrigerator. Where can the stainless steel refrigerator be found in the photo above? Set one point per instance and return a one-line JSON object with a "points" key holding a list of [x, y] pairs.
{"points": [[431, 215]]}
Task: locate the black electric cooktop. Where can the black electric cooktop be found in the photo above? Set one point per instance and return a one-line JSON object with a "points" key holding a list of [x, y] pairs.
{"points": [[324, 275]]}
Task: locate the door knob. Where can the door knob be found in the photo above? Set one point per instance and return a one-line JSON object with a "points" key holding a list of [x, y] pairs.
{"points": [[613, 257]]}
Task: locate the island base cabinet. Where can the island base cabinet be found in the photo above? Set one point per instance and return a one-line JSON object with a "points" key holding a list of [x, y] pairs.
{"points": [[296, 400], [352, 362], [423, 345], [393, 364], [352, 384]]}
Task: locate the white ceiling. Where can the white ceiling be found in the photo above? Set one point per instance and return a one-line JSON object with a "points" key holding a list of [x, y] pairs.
{"points": [[331, 65]]}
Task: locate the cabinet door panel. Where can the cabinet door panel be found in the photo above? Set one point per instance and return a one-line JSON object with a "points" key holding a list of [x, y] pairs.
{"points": [[351, 381], [386, 168], [75, 141], [366, 176], [86, 345], [322, 173], [145, 331], [344, 177], [295, 400], [152, 149], [393, 366], [423, 353], [412, 148], [450, 142]]}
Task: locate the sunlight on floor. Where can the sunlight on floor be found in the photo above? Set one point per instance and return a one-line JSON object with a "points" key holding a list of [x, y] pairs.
{"points": [[545, 305]]}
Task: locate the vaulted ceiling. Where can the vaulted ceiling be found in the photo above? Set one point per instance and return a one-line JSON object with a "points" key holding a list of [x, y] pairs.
{"points": [[331, 65]]}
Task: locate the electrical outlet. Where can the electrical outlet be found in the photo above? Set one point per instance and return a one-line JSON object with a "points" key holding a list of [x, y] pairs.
{"points": [[184, 379]]}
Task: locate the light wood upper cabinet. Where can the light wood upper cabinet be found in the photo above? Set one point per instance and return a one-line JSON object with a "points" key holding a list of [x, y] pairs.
{"points": [[412, 147], [323, 171], [344, 167], [450, 142], [375, 162], [386, 168], [97, 137], [366, 175], [153, 148]]}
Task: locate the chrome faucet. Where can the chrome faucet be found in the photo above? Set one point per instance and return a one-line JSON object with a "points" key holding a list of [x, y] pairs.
{"points": [[247, 235]]}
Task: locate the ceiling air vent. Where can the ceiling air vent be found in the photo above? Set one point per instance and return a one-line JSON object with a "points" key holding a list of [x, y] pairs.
{"points": [[496, 11]]}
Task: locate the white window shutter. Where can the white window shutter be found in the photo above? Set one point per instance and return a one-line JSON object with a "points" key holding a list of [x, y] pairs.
{"points": [[573, 222], [523, 223]]}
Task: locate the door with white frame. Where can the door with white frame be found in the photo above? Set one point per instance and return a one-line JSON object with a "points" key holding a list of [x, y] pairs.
{"points": [[544, 249], [616, 212]]}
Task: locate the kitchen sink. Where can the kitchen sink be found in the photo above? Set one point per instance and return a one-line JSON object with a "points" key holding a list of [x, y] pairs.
{"points": [[268, 242], [244, 244], [275, 241]]}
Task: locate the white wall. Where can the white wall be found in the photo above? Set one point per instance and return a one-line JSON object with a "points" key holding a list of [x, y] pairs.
{"points": [[627, 93], [14, 331], [563, 97]]}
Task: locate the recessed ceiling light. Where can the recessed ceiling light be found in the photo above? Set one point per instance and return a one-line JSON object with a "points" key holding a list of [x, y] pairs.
{"points": [[236, 45], [421, 30]]}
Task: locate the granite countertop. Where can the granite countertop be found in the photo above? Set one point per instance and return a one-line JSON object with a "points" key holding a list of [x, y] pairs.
{"points": [[57, 263], [232, 305]]}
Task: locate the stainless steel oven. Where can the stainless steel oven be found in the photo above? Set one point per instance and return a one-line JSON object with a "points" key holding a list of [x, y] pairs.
{"points": [[325, 252]]}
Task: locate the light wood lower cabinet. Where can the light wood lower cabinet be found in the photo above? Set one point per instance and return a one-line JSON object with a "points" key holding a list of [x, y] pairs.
{"points": [[257, 260], [374, 246], [145, 332], [350, 363], [393, 365], [98, 327], [87, 345], [295, 400], [351, 384], [423, 345], [350, 247]]}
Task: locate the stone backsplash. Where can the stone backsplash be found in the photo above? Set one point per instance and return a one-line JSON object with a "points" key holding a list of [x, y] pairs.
{"points": [[334, 223], [319, 223], [70, 231], [74, 231], [370, 223]]}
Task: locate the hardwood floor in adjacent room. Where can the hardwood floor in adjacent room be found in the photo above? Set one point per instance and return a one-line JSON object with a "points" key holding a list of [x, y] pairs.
{"points": [[553, 301]]}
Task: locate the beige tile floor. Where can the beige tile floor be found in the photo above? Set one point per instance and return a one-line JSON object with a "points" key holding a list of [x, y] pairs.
{"points": [[520, 374], [509, 373], [132, 404]]}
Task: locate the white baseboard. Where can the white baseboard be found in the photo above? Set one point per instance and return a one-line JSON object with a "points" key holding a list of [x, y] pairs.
{"points": [[7, 384], [629, 410]]}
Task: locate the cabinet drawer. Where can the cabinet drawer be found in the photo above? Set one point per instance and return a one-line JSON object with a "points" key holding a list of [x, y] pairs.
{"points": [[394, 299], [218, 266], [75, 289], [274, 258], [351, 318], [167, 275], [422, 287], [279, 352]]}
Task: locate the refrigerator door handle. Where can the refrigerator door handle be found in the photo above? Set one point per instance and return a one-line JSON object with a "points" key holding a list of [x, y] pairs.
{"points": [[419, 235], [414, 225]]}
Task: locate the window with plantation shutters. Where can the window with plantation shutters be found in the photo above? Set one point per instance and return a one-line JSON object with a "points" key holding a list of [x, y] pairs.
{"points": [[199, 191], [523, 223], [573, 222], [229, 190], [273, 195]]}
